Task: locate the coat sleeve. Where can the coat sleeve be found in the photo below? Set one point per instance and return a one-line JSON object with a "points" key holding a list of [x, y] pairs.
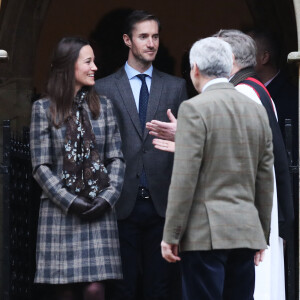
{"points": [[41, 157], [113, 157], [190, 140], [264, 184]]}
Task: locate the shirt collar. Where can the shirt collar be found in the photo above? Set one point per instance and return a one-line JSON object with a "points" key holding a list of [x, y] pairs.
{"points": [[214, 81], [131, 72], [269, 81]]}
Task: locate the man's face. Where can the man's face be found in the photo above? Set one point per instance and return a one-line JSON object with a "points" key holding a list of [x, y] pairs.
{"points": [[144, 42]]}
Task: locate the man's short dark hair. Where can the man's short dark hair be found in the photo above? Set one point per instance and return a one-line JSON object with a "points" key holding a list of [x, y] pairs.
{"points": [[138, 16]]}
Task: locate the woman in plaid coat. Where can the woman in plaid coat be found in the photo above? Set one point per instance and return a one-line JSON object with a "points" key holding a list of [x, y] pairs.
{"points": [[77, 161]]}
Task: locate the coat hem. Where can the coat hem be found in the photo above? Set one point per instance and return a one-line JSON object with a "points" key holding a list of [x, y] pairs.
{"points": [[51, 281]]}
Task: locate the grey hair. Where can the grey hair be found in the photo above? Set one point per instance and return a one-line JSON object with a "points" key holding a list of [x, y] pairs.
{"points": [[243, 46], [212, 56]]}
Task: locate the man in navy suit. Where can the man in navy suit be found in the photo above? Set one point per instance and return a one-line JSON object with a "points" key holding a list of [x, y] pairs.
{"points": [[281, 89], [139, 94]]}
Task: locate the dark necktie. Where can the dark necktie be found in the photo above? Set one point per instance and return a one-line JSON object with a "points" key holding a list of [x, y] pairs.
{"points": [[143, 100], [143, 103]]}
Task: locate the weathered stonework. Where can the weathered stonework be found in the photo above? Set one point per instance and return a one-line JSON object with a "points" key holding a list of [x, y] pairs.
{"points": [[20, 25]]}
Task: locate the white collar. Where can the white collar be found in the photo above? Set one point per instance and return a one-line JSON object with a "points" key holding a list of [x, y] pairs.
{"points": [[269, 81], [214, 81]]}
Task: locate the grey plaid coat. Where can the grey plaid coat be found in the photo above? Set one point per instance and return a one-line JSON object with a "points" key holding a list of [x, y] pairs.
{"points": [[68, 249]]}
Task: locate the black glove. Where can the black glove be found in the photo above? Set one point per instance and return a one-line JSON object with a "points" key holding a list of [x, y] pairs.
{"points": [[79, 205], [100, 206]]}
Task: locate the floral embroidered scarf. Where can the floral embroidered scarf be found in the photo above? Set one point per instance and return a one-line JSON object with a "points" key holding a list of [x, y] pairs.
{"points": [[83, 172]]}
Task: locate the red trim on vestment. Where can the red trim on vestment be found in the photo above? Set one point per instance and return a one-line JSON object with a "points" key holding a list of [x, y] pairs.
{"points": [[261, 84]]}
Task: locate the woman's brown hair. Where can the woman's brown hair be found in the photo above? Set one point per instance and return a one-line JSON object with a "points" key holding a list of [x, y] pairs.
{"points": [[61, 82]]}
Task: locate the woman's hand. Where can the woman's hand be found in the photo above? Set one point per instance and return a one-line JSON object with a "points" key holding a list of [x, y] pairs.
{"points": [[99, 207], [79, 205]]}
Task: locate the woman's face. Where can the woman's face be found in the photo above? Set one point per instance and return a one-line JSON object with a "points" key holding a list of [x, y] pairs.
{"points": [[85, 68]]}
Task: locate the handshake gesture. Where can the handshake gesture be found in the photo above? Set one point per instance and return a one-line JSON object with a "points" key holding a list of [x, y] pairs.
{"points": [[164, 131], [89, 211]]}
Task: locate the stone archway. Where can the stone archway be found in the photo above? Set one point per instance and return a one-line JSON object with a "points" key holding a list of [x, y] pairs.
{"points": [[20, 28]]}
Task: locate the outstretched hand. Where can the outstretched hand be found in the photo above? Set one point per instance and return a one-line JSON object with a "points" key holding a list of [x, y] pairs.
{"points": [[164, 145], [163, 130], [99, 207]]}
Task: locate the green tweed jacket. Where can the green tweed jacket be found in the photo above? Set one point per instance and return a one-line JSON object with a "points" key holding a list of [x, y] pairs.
{"points": [[222, 183]]}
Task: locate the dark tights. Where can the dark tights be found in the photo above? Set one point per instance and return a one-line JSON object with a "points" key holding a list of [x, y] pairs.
{"points": [[80, 291]]}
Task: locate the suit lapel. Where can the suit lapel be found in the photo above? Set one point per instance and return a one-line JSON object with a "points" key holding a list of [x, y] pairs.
{"points": [[125, 91], [154, 97]]}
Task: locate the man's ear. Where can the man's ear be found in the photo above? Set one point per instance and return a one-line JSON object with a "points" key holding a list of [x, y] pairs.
{"points": [[235, 67], [195, 69], [127, 40], [233, 58], [265, 57]]}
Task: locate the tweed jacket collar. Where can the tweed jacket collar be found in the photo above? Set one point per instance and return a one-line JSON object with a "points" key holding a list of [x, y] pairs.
{"points": [[218, 86]]}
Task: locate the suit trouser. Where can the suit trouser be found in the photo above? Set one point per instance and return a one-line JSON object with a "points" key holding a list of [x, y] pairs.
{"points": [[143, 266], [218, 274]]}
